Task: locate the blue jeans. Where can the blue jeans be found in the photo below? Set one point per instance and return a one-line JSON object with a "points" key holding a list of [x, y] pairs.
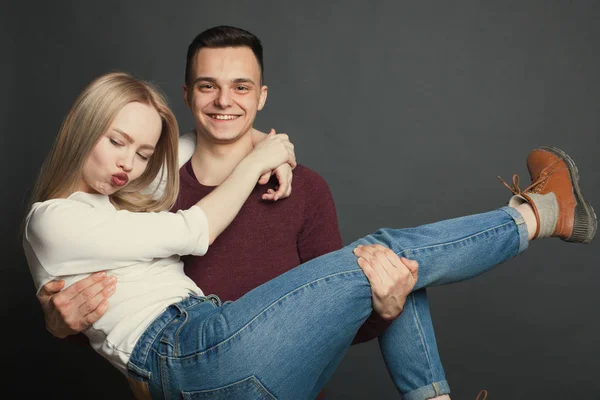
{"points": [[284, 339]]}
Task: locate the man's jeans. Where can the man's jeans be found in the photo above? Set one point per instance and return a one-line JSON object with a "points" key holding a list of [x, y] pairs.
{"points": [[284, 339]]}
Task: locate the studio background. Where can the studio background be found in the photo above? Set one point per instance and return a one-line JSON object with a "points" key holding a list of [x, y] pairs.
{"points": [[409, 110]]}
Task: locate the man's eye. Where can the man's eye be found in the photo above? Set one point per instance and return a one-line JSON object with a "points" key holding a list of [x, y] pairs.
{"points": [[241, 88], [205, 86]]}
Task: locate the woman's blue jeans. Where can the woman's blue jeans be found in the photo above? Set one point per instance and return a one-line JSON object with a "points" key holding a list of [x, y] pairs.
{"points": [[284, 339]]}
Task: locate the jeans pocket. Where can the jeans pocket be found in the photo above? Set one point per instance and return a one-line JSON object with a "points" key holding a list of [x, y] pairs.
{"points": [[246, 389]]}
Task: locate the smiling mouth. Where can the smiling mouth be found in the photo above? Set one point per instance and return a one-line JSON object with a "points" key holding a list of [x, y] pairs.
{"points": [[223, 117]]}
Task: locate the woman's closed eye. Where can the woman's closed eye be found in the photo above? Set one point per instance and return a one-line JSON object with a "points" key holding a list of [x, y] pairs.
{"points": [[115, 142]]}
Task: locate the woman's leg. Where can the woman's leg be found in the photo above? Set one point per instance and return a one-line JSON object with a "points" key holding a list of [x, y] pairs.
{"points": [[280, 337], [457, 249], [410, 352], [409, 346], [447, 252]]}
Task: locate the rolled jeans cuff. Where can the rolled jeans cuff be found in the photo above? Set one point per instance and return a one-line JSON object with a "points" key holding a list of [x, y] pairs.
{"points": [[521, 227], [428, 392]]}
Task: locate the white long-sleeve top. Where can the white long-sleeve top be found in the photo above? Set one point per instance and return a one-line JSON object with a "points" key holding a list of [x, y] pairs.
{"points": [[71, 238]]}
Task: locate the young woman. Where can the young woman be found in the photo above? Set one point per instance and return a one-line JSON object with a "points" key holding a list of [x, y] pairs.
{"points": [[92, 210]]}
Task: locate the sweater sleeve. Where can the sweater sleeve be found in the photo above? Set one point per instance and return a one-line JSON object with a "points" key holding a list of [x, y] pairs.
{"points": [[320, 233], [69, 237]]}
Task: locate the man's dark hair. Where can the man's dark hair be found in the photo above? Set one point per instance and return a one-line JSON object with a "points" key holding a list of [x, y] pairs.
{"points": [[223, 36]]}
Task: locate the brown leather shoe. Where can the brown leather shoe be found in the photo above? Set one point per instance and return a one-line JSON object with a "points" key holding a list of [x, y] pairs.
{"points": [[552, 170]]}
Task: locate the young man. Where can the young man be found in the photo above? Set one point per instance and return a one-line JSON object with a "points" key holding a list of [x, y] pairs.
{"points": [[224, 90]]}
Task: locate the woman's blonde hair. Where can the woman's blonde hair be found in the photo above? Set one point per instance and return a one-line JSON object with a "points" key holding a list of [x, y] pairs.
{"points": [[88, 120]]}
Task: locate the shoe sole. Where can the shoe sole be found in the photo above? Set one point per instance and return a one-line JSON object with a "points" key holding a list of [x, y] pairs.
{"points": [[585, 222]]}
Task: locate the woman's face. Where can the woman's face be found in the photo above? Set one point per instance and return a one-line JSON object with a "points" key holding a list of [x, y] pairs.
{"points": [[122, 153]]}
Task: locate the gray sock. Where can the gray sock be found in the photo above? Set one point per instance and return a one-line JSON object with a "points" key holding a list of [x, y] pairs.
{"points": [[547, 207]]}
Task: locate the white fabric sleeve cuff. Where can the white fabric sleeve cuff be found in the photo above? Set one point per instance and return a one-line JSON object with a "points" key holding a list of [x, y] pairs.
{"points": [[196, 216]]}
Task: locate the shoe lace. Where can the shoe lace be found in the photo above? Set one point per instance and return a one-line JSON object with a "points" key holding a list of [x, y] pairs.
{"points": [[515, 189], [482, 392], [542, 178]]}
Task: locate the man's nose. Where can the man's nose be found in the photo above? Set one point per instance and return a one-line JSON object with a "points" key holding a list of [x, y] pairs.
{"points": [[224, 99]]}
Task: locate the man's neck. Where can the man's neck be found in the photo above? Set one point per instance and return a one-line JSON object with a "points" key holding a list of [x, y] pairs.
{"points": [[213, 162]]}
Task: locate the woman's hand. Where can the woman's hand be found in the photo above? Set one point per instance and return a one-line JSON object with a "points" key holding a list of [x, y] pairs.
{"points": [[283, 173]]}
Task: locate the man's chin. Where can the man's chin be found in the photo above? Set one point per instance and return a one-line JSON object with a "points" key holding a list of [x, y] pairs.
{"points": [[222, 137]]}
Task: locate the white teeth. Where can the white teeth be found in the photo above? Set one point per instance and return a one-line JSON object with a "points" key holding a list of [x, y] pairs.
{"points": [[223, 117]]}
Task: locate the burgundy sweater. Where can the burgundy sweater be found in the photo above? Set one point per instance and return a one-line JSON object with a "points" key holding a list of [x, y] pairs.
{"points": [[267, 238]]}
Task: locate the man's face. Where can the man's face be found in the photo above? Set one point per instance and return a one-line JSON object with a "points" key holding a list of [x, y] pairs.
{"points": [[225, 92]]}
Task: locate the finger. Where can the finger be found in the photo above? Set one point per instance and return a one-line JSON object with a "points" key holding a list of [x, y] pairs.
{"points": [[289, 191], [383, 278], [269, 195], [370, 273], [76, 308], [264, 178], [95, 290], [95, 315], [412, 265], [401, 263], [84, 310], [372, 249], [95, 307], [382, 265], [272, 132], [393, 258], [292, 156], [51, 288], [365, 251], [383, 261], [74, 290], [380, 247], [283, 174]]}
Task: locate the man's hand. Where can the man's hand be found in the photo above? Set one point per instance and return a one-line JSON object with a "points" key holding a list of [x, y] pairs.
{"points": [[392, 278], [74, 309], [283, 173]]}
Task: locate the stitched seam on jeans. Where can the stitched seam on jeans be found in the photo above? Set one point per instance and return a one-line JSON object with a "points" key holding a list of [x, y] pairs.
{"points": [[164, 380], [421, 334], [265, 310], [252, 378], [150, 345], [454, 241]]}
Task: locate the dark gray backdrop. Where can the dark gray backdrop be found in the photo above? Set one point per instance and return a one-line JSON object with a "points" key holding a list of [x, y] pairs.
{"points": [[408, 109]]}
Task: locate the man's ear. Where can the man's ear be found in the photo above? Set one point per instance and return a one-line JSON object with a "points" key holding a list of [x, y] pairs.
{"points": [[185, 96], [263, 97]]}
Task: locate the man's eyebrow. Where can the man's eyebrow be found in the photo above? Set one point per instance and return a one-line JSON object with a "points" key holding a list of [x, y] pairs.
{"points": [[205, 79], [130, 139], [213, 80], [243, 80]]}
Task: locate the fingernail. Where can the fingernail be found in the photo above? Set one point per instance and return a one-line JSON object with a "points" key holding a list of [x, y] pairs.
{"points": [[113, 279]]}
